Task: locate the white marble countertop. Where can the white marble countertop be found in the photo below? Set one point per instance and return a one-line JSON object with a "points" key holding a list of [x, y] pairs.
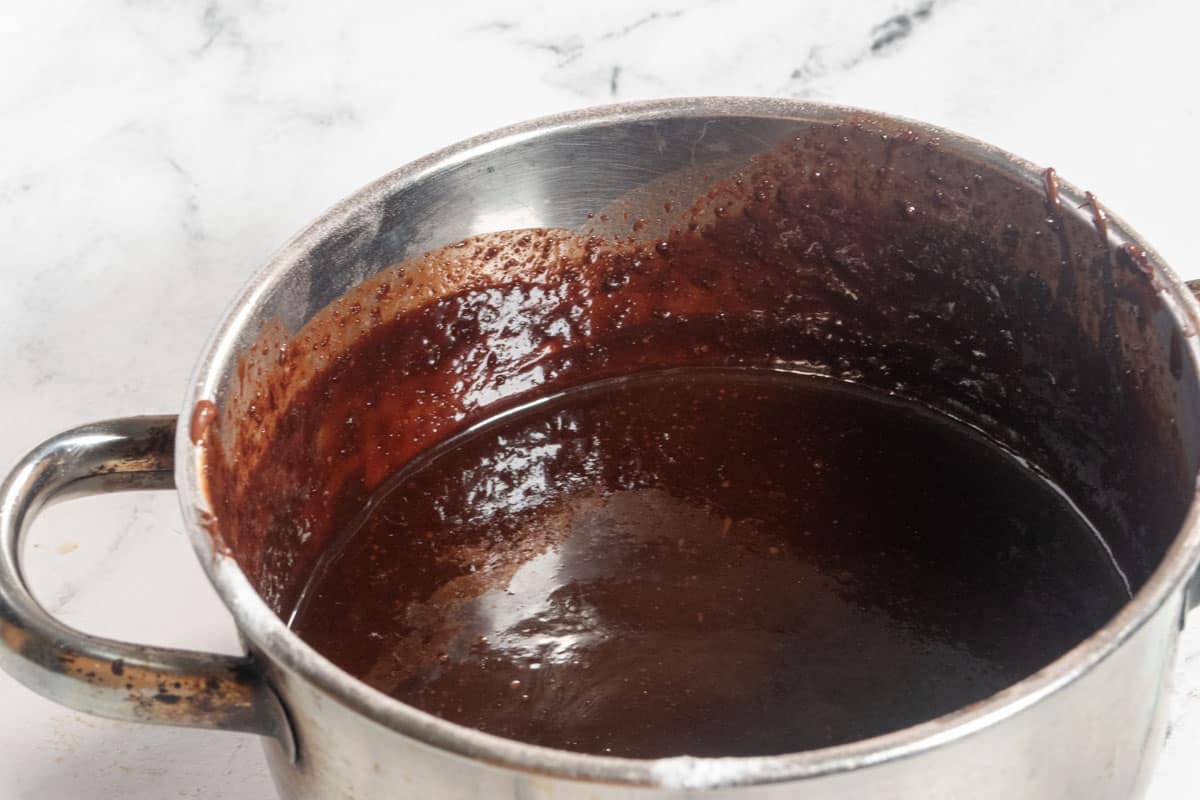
{"points": [[153, 154]]}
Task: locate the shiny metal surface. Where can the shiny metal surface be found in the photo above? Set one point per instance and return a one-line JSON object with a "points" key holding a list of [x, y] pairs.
{"points": [[1088, 725], [1193, 591], [100, 676]]}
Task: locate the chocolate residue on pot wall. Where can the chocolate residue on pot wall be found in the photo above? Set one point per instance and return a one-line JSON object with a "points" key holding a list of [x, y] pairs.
{"points": [[864, 255], [202, 416], [1053, 203], [1136, 258], [1099, 217]]}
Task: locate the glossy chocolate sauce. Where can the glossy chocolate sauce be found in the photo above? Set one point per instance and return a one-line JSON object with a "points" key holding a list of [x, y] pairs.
{"points": [[711, 562], [681, 546]]}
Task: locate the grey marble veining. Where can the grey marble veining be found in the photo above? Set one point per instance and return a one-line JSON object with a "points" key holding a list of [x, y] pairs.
{"points": [[154, 154]]}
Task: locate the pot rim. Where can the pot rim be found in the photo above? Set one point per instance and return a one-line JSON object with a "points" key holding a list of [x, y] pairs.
{"points": [[267, 632]]}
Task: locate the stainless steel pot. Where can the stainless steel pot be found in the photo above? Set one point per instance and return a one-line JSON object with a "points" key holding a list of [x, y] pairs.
{"points": [[1089, 725]]}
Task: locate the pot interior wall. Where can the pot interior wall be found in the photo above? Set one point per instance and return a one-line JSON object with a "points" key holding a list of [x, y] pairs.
{"points": [[859, 250]]}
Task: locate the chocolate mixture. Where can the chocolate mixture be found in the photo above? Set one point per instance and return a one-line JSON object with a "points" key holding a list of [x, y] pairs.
{"points": [[711, 562], [869, 564]]}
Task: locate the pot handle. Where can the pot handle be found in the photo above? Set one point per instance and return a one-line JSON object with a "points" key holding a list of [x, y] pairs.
{"points": [[101, 676]]}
